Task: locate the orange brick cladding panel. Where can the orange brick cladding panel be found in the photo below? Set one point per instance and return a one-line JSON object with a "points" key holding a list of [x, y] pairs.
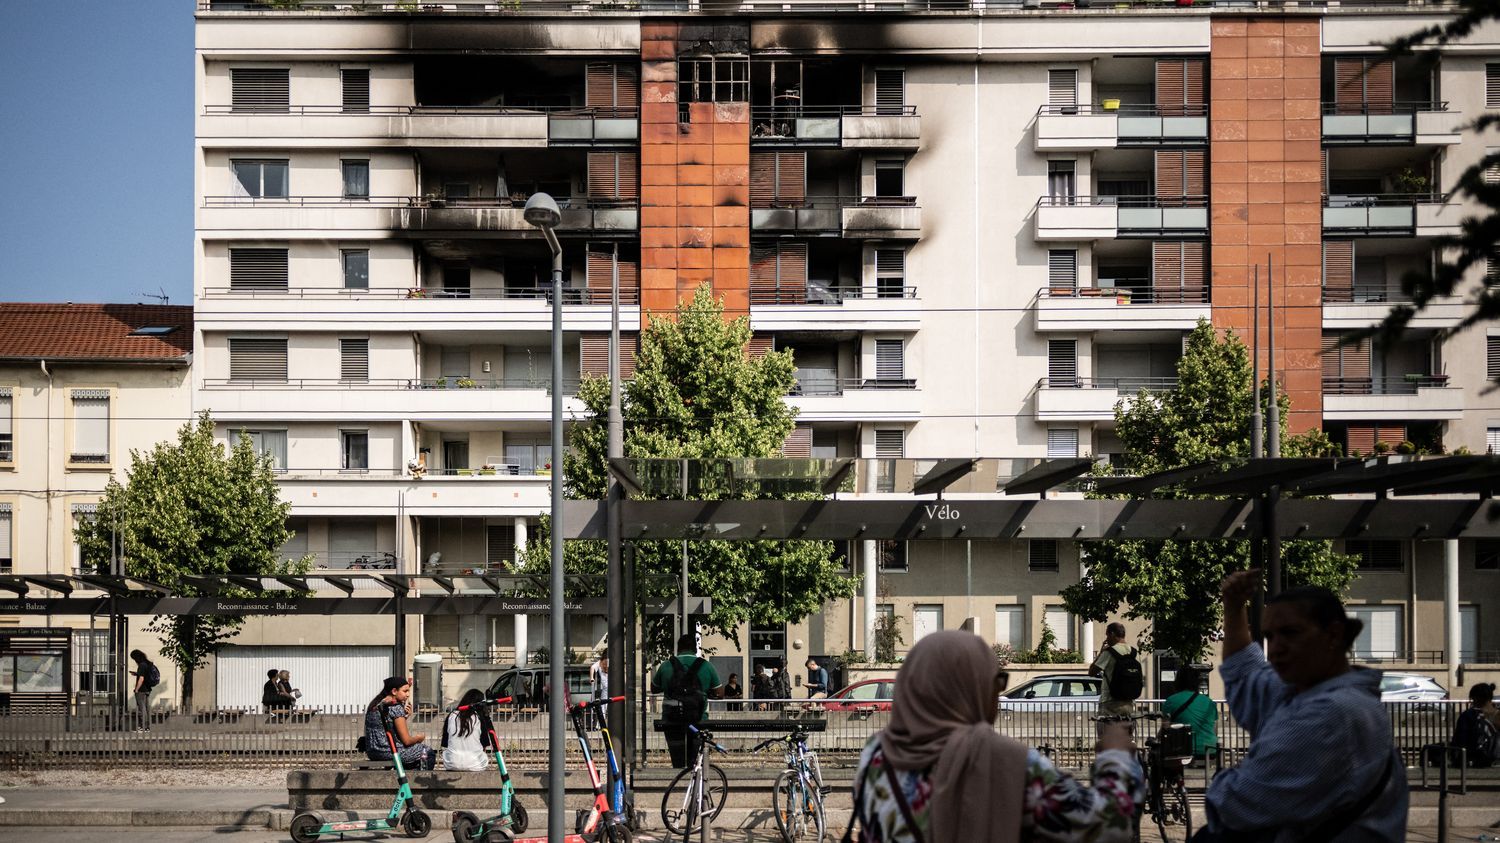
{"points": [[1265, 192], [695, 187]]}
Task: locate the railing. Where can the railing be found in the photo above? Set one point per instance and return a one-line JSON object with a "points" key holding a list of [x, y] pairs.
{"points": [[813, 123], [837, 202], [814, 292], [1124, 386], [569, 384], [379, 473], [1377, 200], [1354, 109], [1127, 109], [1408, 385], [1138, 291], [355, 560], [1364, 292], [1138, 200], [779, 9], [475, 202], [570, 295], [504, 469], [419, 110], [838, 386]]}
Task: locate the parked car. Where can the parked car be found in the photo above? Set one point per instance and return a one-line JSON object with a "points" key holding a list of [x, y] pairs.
{"points": [[528, 685], [1400, 687], [1057, 692], [867, 695]]}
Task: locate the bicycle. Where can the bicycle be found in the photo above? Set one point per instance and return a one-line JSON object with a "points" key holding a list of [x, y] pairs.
{"points": [[797, 798], [698, 792], [1164, 759]]}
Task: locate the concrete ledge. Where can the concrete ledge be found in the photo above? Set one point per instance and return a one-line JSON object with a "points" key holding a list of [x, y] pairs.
{"points": [[253, 818]]}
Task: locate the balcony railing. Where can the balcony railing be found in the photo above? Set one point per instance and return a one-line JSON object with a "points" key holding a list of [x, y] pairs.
{"points": [[1394, 212], [1361, 292], [355, 560], [475, 202], [838, 386], [750, 7], [814, 292], [1135, 200], [435, 110], [1358, 122], [1124, 386], [570, 295], [570, 385], [1139, 123], [1407, 385], [1138, 292], [819, 124]]}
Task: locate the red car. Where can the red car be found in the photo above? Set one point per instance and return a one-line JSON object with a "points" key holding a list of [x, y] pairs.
{"points": [[869, 695]]}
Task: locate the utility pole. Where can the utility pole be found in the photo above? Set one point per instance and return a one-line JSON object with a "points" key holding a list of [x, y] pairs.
{"points": [[1273, 496], [1257, 444]]}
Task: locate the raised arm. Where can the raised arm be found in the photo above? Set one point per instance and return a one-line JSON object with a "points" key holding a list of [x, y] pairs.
{"points": [[1236, 590]]}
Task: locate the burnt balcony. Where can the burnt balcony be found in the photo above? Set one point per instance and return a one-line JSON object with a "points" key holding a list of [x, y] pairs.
{"points": [[839, 126], [421, 126], [580, 215], [850, 216]]}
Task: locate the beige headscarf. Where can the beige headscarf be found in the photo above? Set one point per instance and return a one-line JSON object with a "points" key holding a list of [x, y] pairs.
{"points": [[944, 693]]}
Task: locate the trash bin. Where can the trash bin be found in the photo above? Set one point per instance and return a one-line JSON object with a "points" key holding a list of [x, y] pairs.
{"points": [[427, 681]]}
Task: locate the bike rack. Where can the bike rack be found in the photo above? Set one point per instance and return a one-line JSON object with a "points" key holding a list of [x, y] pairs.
{"points": [[1441, 756]]}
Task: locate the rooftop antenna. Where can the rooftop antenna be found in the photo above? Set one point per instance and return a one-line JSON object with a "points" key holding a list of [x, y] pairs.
{"points": [[160, 295]]}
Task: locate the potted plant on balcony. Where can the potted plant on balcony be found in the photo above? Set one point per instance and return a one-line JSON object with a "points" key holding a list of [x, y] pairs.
{"points": [[440, 383], [545, 470], [1410, 182], [466, 383], [416, 293]]}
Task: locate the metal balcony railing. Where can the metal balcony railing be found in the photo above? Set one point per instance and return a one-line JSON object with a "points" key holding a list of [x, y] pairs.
{"points": [[1138, 291], [219, 109], [814, 292], [1377, 200], [570, 295], [1407, 385], [1126, 110], [570, 385], [752, 7], [837, 202], [838, 386], [1124, 386], [1139, 200], [1394, 107], [1363, 292], [476, 202], [355, 560], [813, 123]]}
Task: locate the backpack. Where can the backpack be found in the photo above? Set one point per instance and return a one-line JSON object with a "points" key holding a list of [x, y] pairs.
{"points": [[1486, 749], [153, 677], [686, 700], [1126, 680]]}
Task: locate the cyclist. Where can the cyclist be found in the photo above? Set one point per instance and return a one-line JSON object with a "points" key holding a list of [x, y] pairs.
{"points": [[940, 772], [1193, 708], [686, 680], [1322, 764]]}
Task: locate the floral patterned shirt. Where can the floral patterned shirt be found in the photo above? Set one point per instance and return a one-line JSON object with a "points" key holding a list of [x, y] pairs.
{"points": [[1056, 806]]}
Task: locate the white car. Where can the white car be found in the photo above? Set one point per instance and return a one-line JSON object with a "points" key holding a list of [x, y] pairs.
{"points": [[1405, 687], [1057, 692]]}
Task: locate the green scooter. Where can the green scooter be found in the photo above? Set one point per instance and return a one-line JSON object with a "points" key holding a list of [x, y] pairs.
{"points": [[404, 814], [512, 820]]}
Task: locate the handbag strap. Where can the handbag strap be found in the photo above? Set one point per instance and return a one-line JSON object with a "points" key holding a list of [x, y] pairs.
{"points": [[901, 803], [1336, 824], [1183, 707]]}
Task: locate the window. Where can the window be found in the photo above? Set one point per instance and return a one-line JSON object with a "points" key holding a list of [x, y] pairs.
{"points": [[7, 442], [890, 90], [356, 85], [6, 554], [95, 669], [455, 455], [1487, 555], [453, 362], [1062, 364], [1062, 91], [269, 443], [1492, 439], [1041, 554], [258, 269], [890, 364], [614, 175], [890, 446], [1062, 270], [455, 281], [355, 446], [778, 179], [356, 179], [356, 268], [889, 178], [1492, 357], [264, 90], [1383, 637], [926, 618], [528, 453], [1062, 443], [1375, 555], [153, 330], [1061, 623], [83, 512], [1060, 181], [891, 555], [90, 426], [260, 179], [890, 273], [456, 190], [257, 359], [713, 79], [499, 547], [354, 360], [1010, 626], [1492, 86]]}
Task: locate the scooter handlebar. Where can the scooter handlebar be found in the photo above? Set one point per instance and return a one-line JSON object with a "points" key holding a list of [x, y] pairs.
{"points": [[483, 703], [597, 703]]}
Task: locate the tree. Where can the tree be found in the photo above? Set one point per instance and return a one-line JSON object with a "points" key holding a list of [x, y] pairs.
{"points": [[1174, 585], [191, 508], [697, 394]]}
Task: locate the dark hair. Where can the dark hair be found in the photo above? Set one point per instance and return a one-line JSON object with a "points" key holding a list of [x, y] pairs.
{"points": [[1322, 607], [467, 716], [687, 641], [1482, 693], [811, 660], [1187, 679], [1115, 628], [137, 655], [391, 684], [273, 673]]}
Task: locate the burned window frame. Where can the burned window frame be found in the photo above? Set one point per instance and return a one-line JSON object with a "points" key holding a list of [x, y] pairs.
{"points": [[713, 79]]}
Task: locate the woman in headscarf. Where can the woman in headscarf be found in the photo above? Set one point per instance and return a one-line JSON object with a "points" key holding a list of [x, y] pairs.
{"points": [[940, 772]]}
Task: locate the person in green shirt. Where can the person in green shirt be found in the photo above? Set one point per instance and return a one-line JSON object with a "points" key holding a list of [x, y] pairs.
{"points": [[1192, 708], [686, 680]]}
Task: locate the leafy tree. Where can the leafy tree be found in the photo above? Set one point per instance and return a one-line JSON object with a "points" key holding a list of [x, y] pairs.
{"points": [[1173, 585], [192, 508], [697, 394]]}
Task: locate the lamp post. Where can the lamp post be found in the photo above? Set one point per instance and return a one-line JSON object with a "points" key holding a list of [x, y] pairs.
{"points": [[542, 212]]}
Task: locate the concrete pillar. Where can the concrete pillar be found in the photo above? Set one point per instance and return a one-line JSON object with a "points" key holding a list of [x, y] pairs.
{"points": [[522, 651], [1086, 628], [1451, 622], [870, 554]]}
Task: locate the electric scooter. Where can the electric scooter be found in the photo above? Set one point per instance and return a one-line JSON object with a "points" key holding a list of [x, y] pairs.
{"points": [[604, 820], [512, 819], [404, 813]]}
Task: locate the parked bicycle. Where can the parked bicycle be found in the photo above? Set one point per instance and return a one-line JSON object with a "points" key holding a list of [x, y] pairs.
{"points": [[697, 792], [1164, 758], [797, 798]]}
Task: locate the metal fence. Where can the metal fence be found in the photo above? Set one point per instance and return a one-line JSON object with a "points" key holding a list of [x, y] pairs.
{"points": [[325, 737]]}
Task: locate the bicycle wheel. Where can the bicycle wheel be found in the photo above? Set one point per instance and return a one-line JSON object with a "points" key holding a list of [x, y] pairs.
{"points": [[1174, 818], [798, 809], [679, 813]]}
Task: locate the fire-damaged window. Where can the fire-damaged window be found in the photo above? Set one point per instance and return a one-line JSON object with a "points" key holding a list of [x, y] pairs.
{"points": [[713, 79]]}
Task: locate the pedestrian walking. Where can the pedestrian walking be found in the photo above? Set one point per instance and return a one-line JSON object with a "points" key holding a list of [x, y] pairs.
{"points": [[1120, 666], [147, 677]]}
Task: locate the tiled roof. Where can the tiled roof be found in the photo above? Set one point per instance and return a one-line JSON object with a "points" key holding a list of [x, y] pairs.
{"points": [[94, 332]]}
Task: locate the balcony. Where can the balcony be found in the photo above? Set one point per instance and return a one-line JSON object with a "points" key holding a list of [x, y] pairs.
{"points": [[1390, 215], [376, 492], [1080, 128], [1091, 399], [1110, 217], [1414, 397], [856, 399], [400, 126], [846, 126], [894, 217], [1419, 123], [1129, 303], [822, 306], [416, 399], [1364, 304], [409, 213]]}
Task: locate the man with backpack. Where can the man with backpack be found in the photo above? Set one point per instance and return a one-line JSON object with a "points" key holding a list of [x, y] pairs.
{"points": [[147, 677], [1120, 665], [685, 681]]}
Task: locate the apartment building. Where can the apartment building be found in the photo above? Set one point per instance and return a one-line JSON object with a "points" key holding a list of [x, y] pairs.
{"points": [[978, 226], [81, 386]]}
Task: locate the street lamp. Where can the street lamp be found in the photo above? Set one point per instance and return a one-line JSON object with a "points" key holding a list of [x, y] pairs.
{"points": [[542, 212]]}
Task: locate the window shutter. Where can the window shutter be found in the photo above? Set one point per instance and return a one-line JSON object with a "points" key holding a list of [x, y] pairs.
{"points": [[1195, 265], [258, 269], [1376, 554], [1195, 173], [1338, 270], [90, 425], [791, 263], [1380, 85], [1062, 90], [630, 346], [7, 441], [759, 346], [262, 90], [1167, 271], [1331, 366], [890, 363], [1360, 439], [1194, 86], [890, 273], [1041, 554], [1171, 166], [1492, 358], [609, 87], [354, 360], [890, 443], [255, 359], [628, 168], [613, 175], [6, 554], [1062, 363], [593, 355], [499, 546], [1391, 434], [1492, 440], [762, 179], [1348, 84], [1492, 86], [1062, 443], [763, 273], [798, 444], [356, 85], [1062, 270], [599, 271], [890, 90], [791, 177], [1349, 365], [1171, 92]]}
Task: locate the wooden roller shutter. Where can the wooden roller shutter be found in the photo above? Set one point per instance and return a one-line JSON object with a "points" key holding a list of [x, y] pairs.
{"points": [[1194, 86], [798, 444], [1360, 439], [778, 273], [1349, 85], [1166, 265], [630, 346], [1356, 360], [628, 259], [611, 86], [1389, 433], [1330, 349], [1380, 84], [629, 173], [1338, 270], [1325, 171], [613, 175], [791, 177], [1170, 87], [762, 179], [1194, 270], [1170, 173], [791, 264], [1346, 368], [763, 273], [1195, 173], [759, 346], [593, 355]]}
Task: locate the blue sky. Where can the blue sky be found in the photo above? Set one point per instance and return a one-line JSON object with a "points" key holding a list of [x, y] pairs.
{"points": [[96, 150]]}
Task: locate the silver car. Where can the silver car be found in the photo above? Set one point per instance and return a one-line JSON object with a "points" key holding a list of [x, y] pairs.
{"points": [[1404, 687], [1058, 692]]}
